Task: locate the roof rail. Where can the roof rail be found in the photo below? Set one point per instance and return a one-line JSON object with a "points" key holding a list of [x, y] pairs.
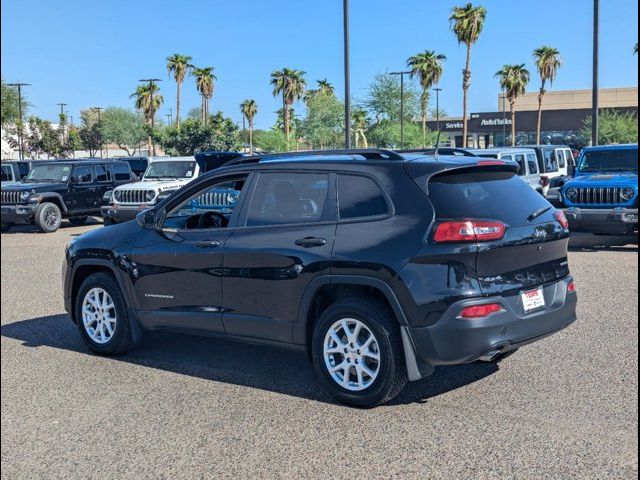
{"points": [[442, 150], [368, 154]]}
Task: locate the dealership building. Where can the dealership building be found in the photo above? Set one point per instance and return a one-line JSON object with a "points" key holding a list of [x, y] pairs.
{"points": [[563, 116]]}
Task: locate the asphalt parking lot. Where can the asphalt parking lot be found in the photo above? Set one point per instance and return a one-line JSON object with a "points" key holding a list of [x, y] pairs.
{"points": [[186, 407]]}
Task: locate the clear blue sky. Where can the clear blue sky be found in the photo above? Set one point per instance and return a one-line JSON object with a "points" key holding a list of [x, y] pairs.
{"points": [[91, 53]]}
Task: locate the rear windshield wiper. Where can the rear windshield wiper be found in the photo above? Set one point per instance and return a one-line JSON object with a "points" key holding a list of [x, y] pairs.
{"points": [[537, 213]]}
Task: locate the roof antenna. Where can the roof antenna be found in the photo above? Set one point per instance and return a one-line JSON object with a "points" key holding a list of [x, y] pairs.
{"points": [[435, 153]]}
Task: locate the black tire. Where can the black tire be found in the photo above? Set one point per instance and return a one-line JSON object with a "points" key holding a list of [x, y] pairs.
{"points": [[77, 221], [106, 221], [48, 217], [122, 340], [392, 374], [6, 227]]}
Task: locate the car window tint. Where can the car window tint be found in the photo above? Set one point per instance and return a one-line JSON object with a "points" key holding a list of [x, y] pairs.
{"points": [[83, 174], [284, 198], [6, 173], [103, 174], [561, 158], [550, 160], [533, 164], [360, 197], [520, 160], [121, 173]]}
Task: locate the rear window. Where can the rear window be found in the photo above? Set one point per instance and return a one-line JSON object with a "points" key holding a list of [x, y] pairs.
{"points": [[484, 194]]}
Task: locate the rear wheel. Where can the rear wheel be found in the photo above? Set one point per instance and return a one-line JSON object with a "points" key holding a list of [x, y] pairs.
{"points": [[101, 315], [76, 221], [48, 217], [357, 352]]}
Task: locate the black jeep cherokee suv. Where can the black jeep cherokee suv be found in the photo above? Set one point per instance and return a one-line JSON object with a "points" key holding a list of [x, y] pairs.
{"points": [[380, 265], [59, 189]]}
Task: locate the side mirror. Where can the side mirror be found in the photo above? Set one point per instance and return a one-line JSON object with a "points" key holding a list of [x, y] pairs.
{"points": [[147, 218]]}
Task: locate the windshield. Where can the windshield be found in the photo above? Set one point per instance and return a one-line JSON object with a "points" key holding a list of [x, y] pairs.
{"points": [[614, 160], [170, 169], [56, 172]]}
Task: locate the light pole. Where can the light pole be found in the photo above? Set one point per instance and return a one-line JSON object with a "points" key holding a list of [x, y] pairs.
{"points": [[19, 86], [504, 117], [438, 90], [347, 79], [99, 109], [152, 82], [402, 74], [594, 88]]}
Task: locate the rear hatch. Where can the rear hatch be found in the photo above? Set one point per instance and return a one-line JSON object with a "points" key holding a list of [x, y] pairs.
{"points": [[531, 247]]}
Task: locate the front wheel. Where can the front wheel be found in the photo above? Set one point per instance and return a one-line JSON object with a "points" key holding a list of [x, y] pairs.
{"points": [[101, 315], [357, 352], [48, 217]]}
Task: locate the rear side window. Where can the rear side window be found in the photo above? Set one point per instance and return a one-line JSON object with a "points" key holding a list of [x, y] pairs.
{"points": [[532, 162], [6, 173], [484, 194], [103, 174], [550, 160], [121, 172], [289, 198], [360, 197], [520, 161], [83, 174], [561, 158]]}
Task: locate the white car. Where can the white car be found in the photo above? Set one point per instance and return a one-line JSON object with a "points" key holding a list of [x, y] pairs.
{"points": [[162, 176]]}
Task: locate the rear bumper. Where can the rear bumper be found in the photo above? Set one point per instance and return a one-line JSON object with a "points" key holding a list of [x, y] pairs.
{"points": [[22, 213], [119, 214], [453, 340], [611, 221]]}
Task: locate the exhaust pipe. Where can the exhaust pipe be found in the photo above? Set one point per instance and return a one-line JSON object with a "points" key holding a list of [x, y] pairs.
{"points": [[491, 355]]}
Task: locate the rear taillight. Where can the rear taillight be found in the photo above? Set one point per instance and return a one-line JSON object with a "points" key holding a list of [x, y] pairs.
{"points": [[544, 181], [486, 163], [469, 231], [571, 287], [561, 218], [480, 311]]}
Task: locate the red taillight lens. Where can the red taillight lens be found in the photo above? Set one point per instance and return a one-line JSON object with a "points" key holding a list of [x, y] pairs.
{"points": [[561, 218], [571, 287], [469, 231], [544, 181], [480, 311], [485, 163]]}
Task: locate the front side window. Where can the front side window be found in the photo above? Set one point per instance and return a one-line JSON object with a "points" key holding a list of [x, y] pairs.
{"points": [[533, 163], [360, 197], [209, 207], [53, 172], [170, 169], [83, 174], [288, 198], [103, 174]]}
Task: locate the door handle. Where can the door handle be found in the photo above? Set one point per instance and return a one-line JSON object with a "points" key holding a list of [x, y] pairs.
{"points": [[309, 242], [208, 244]]}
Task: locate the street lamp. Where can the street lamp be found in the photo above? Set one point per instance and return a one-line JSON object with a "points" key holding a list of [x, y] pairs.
{"points": [[19, 86], [152, 82], [347, 86], [504, 117], [594, 88], [402, 74], [99, 109], [438, 90]]}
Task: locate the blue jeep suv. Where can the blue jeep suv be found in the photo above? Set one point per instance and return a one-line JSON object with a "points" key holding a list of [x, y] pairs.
{"points": [[602, 196]]}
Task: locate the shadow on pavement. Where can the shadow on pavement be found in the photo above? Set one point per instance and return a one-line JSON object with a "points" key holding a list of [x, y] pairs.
{"points": [[585, 242], [272, 369]]}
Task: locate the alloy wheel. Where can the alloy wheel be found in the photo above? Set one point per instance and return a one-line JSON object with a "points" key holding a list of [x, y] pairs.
{"points": [[99, 315]]}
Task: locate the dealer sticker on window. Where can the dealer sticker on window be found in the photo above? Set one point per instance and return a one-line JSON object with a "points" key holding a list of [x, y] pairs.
{"points": [[532, 300]]}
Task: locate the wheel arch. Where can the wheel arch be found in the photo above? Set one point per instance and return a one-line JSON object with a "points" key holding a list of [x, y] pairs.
{"points": [[53, 197]]}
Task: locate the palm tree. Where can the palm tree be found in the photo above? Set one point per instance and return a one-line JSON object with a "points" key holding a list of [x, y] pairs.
{"points": [[148, 101], [427, 66], [325, 87], [466, 23], [359, 127], [291, 84], [249, 109], [513, 81], [179, 66], [547, 62], [205, 83]]}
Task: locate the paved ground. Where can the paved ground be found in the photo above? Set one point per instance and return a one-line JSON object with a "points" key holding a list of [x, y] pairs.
{"points": [[183, 407]]}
